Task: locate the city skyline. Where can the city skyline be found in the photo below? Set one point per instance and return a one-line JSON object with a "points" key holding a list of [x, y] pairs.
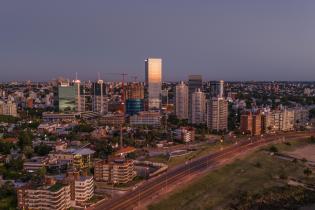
{"points": [[233, 41]]}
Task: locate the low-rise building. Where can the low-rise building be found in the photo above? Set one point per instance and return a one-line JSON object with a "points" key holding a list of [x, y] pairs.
{"points": [[47, 197], [113, 119], [81, 187], [149, 118], [185, 134], [116, 171]]}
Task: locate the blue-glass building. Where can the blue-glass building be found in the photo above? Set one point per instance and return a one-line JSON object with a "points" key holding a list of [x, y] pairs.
{"points": [[134, 106]]}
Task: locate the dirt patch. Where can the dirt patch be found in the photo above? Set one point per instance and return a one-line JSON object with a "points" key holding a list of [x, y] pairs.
{"points": [[307, 152]]}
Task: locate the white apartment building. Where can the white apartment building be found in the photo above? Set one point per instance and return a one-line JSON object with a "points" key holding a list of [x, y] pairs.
{"points": [[182, 101], [83, 189], [198, 109], [217, 114], [55, 197]]}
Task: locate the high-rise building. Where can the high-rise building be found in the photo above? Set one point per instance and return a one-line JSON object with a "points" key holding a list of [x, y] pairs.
{"points": [[217, 114], [217, 89], [194, 83], [134, 91], [198, 114], [182, 101], [100, 102], [8, 108], [251, 123], [153, 82], [67, 97], [77, 85], [280, 120]]}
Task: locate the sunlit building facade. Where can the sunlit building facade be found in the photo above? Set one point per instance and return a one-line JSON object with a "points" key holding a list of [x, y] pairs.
{"points": [[182, 101], [153, 82]]}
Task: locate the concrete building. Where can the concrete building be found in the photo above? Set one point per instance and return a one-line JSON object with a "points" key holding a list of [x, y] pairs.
{"points": [[8, 108], [198, 114], [134, 90], [182, 101], [251, 123], [116, 171], [149, 118], [217, 89], [301, 117], [47, 197], [68, 98], [217, 114], [280, 120], [113, 119], [185, 134], [81, 187], [194, 83], [153, 82], [100, 101]]}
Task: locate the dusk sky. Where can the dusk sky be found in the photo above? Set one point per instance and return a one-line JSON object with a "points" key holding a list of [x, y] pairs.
{"points": [[220, 39]]}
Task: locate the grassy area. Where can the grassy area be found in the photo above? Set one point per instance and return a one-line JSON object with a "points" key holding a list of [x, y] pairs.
{"points": [[255, 175], [8, 203], [202, 151]]}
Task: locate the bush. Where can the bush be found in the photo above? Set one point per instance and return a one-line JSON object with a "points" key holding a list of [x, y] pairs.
{"points": [[273, 149], [307, 172]]}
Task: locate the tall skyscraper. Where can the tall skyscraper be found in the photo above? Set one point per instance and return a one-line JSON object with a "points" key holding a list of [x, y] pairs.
{"points": [[67, 97], [217, 114], [100, 103], [198, 114], [182, 101], [77, 85], [194, 83], [153, 82], [217, 89]]}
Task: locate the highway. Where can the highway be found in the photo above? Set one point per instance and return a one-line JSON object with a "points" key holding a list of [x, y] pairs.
{"points": [[149, 189]]}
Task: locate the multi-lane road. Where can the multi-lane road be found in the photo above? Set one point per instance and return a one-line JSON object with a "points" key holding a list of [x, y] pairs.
{"points": [[149, 189]]}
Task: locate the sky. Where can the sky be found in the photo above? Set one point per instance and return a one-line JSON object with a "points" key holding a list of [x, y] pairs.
{"points": [[219, 39]]}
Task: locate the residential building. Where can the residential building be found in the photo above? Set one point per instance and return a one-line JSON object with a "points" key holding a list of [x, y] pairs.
{"points": [[185, 134], [100, 101], [251, 123], [113, 119], [182, 101], [280, 120], [153, 82], [8, 108], [198, 114], [217, 114], [194, 83], [46, 197], [117, 171], [81, 187], [217, 89], [149, 118]]}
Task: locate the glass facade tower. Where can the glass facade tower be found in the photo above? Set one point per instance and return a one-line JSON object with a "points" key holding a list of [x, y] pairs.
{"points": [[153, 82]]}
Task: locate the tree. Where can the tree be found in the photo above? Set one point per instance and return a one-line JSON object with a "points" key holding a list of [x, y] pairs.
{"points": [[42, 149], [307, 172], [103, 149], [273, 149], [25, 139]]}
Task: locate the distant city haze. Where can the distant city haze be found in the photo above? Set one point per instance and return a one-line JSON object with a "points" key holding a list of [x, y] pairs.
{"points": [[219, 39]]}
